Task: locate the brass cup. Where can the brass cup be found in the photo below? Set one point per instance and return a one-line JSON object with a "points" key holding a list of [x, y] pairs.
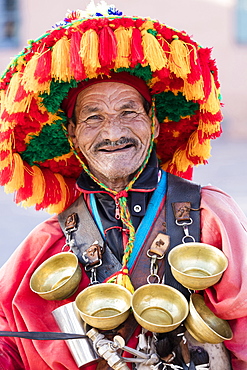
{"points": [[104, 306], [204, 325], [197, 265], [159, 308], [57, 278]]}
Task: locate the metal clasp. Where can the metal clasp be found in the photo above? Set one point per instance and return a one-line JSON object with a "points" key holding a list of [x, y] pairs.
{"points": [[185, 226], [153, 268]]}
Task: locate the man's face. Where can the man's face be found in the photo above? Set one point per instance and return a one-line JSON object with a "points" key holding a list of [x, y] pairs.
{"points": [[112, 130]]}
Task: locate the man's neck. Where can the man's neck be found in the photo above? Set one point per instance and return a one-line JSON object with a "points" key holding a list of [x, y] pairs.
{"points": [[117, 184]]}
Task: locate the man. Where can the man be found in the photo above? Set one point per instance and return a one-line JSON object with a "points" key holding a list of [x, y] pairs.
{"points": [[106, 93]]}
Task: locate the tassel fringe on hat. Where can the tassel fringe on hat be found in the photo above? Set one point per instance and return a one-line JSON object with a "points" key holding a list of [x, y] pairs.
{"points": [[37, 162]]}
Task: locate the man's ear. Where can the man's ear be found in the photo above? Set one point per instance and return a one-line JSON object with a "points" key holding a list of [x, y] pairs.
{"points": [[156, 127], [71, 131], [156, 124]]}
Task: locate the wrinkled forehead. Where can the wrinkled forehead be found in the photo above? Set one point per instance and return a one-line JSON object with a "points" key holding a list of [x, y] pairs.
{"points": [[111, 94], [123, 78]]}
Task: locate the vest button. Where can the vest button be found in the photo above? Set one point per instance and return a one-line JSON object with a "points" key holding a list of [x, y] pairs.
{"points": [[137, 208]]}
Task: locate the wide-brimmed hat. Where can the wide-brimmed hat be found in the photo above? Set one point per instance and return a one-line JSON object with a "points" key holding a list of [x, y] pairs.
{"points": [[36, 159]]}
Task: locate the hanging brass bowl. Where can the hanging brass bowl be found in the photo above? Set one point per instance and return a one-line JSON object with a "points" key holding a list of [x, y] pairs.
{"points": [[57, 278], [204, 325], [197, 265], [104, 306], [159, 308]]}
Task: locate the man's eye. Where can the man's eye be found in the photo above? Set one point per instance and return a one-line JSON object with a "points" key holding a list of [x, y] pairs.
{"points": [[129, 114], [96, 118]]}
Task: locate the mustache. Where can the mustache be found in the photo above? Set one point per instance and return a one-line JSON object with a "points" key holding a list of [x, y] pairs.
{"points": [[122, 141]]}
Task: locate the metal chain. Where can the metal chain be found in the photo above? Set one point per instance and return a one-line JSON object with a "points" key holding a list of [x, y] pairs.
{"points": [[185, 225]]}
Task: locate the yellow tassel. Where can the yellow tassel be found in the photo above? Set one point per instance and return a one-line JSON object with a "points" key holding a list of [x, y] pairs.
{"points": [[208, 128], [29, 82], [193, 91], [6, 145], [60, 65], [23, 105], [179, 60], [180, 160], [212, 104], [38, 187], [123, 36], [17, 180], [147, 25], [126, 281], [11, 91], [199, 150], [89, 52], [153, 51], [2, 100], [193, 149], [59, 207]]}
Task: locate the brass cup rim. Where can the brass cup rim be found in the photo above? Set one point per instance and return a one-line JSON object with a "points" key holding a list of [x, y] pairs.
{"points": [[189, 279], [153, 326], [90, 302], [47, 261], [195, 317]]}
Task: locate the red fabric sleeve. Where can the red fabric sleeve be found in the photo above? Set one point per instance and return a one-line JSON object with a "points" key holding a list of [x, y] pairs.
{"points": [[9, 358], [224, 226]]}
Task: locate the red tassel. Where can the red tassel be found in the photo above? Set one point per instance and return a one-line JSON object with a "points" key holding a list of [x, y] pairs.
{"points": [[27, 190], [76, 65], [73, 192], [4, 154], [6, 175], [164, 72], [21, 94], [5, 136], [52, 190], [43, 69], [137, 55], [196, 71], [107, 47], [204, 56]]}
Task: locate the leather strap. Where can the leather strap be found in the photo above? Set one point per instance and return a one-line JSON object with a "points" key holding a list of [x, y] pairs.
{"points": [[39, 335], [141, 268], [86, 235], [180, 190]]}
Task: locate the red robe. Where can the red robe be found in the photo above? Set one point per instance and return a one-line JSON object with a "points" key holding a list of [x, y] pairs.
{"points": [[222, 225]]}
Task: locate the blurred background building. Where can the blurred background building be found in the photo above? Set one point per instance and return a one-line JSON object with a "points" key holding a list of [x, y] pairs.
{"points": [[221, 24]]}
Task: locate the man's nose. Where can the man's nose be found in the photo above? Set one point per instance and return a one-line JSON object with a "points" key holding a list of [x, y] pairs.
{"points": [[112, 129]]}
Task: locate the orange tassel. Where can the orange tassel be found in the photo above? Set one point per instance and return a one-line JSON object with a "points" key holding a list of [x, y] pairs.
{"points": [[123, 37], [196, 149], [11, 92], [25, 191], [38, 188], [29, 82], [17, 180], [89, 52], [60, 65], [212, 104], [193, 91], [153, 52], [179, 60], [52, 194], [60, 206]]}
